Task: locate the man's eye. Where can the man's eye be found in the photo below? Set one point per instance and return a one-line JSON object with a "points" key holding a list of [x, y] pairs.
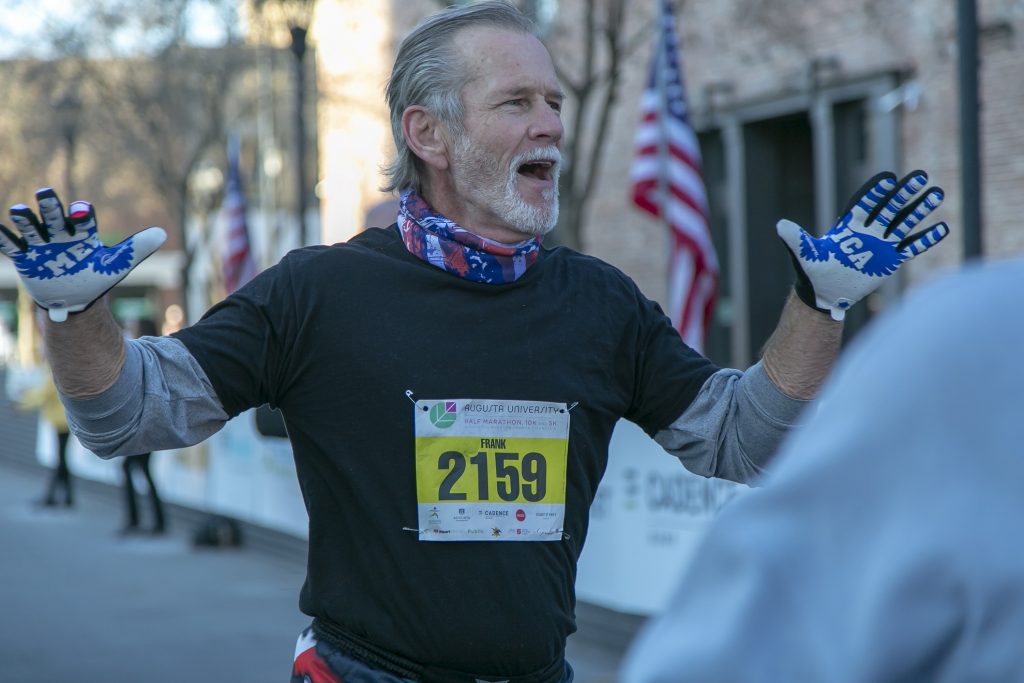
{"points": [[516, 103], [557, 106]]}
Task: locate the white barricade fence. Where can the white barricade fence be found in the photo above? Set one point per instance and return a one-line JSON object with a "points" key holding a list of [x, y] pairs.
{"points": [[645, 522]]}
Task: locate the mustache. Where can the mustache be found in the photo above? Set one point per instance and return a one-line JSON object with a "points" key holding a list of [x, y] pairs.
{"points": [[550, 153]]}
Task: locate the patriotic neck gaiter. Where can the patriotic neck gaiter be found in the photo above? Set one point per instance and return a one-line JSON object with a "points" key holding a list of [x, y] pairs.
{"points": [[443, 244]]}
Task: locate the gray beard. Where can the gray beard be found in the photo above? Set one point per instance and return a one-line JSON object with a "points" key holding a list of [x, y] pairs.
{"points": [[473, 178]]}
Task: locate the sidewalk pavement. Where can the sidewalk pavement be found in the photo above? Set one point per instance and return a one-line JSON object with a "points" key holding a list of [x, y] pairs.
{"points": [[78, 602]]}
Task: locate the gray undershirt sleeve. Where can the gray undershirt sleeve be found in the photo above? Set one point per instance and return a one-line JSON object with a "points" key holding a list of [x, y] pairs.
{"points": [[734, 426], [161, 400]]}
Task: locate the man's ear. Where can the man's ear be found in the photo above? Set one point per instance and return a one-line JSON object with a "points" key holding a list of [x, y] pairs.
{"points": [[425, 136]]}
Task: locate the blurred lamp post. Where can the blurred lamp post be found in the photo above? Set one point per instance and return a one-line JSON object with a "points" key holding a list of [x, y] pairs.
{"points": [[298, 48], [970, 137], [296, 15], [67, 108]]}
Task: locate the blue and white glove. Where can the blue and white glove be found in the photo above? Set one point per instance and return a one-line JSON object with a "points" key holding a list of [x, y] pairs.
{"points": [[867, 244], [61, 262]]}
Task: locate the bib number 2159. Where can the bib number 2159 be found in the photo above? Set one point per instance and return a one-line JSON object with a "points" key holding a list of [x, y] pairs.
{"points": [[513, 476]]}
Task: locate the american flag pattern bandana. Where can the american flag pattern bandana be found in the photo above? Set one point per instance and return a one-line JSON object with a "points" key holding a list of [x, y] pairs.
{"points": [[443, 244]]}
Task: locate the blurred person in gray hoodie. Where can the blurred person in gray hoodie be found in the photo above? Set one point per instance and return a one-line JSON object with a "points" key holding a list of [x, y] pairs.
{"points": [[885, 543]]}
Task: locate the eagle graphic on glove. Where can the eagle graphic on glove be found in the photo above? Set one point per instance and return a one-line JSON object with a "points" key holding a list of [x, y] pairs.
{"points": [[867, 243]]}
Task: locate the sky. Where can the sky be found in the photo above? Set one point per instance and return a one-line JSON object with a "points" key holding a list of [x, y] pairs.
{"points": [[25, 19], [22, 23]]}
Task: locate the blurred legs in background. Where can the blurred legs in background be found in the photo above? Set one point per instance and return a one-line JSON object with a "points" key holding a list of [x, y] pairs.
{"points": [[61, 476], [141, 463]]}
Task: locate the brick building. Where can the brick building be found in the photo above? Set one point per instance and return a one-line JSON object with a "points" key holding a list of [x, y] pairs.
{"points": [[797, 104]]}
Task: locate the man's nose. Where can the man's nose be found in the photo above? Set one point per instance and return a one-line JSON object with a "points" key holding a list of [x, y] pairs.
{"points": [[547, 125]]}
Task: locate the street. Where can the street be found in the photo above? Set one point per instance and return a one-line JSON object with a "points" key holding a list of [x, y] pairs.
{"points": [[78, 602]]}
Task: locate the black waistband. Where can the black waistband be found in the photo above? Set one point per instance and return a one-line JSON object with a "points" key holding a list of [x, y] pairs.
{"points": [[379, 658]]}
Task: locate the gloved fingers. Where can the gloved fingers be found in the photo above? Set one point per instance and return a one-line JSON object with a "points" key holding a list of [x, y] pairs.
{"points": [[28, 225], [922, 241], [145, 242], [10, 243], [120, 258], [81, 216], [912, 214], [800, 245], [897, 198], [870, 194], [791, 234], [52, 211]]}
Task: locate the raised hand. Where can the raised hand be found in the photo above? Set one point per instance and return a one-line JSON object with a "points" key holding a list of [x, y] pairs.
{"points": [[62, 262], [866, 244]]}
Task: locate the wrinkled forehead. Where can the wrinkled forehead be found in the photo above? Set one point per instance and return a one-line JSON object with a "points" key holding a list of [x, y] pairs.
{"points": [[498, 59]]}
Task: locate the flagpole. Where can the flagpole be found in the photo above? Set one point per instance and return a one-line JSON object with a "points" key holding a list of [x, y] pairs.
{"points": [[659, 84]]}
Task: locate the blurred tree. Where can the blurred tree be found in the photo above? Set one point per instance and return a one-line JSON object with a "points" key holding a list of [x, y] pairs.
{"points": [[41, 116], [142, 90], [589, 52], [161, 98]]}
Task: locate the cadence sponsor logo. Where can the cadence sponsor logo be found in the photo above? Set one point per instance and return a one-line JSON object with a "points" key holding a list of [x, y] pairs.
{"points": [[443, 414], [495, 513]]}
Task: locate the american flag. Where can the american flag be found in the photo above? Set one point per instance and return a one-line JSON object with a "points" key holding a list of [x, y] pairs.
{"points": [[238, 266], [668, 184]]}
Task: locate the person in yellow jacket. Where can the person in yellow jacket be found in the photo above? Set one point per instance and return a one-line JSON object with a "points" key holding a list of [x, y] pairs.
{"points": [[44, 398]]}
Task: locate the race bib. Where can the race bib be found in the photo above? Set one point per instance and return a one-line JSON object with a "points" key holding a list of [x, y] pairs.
{"points": [[491, 470]]}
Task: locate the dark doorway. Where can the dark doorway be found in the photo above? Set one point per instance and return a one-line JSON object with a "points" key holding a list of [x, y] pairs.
{"points": [[718, 340], [780, 184]]}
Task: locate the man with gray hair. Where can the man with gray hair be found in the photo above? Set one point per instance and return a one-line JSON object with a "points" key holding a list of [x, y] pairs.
{"points": [[449, 387]]}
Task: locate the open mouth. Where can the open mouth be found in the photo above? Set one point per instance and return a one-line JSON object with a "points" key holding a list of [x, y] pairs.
{"points": [[541, 169]]}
